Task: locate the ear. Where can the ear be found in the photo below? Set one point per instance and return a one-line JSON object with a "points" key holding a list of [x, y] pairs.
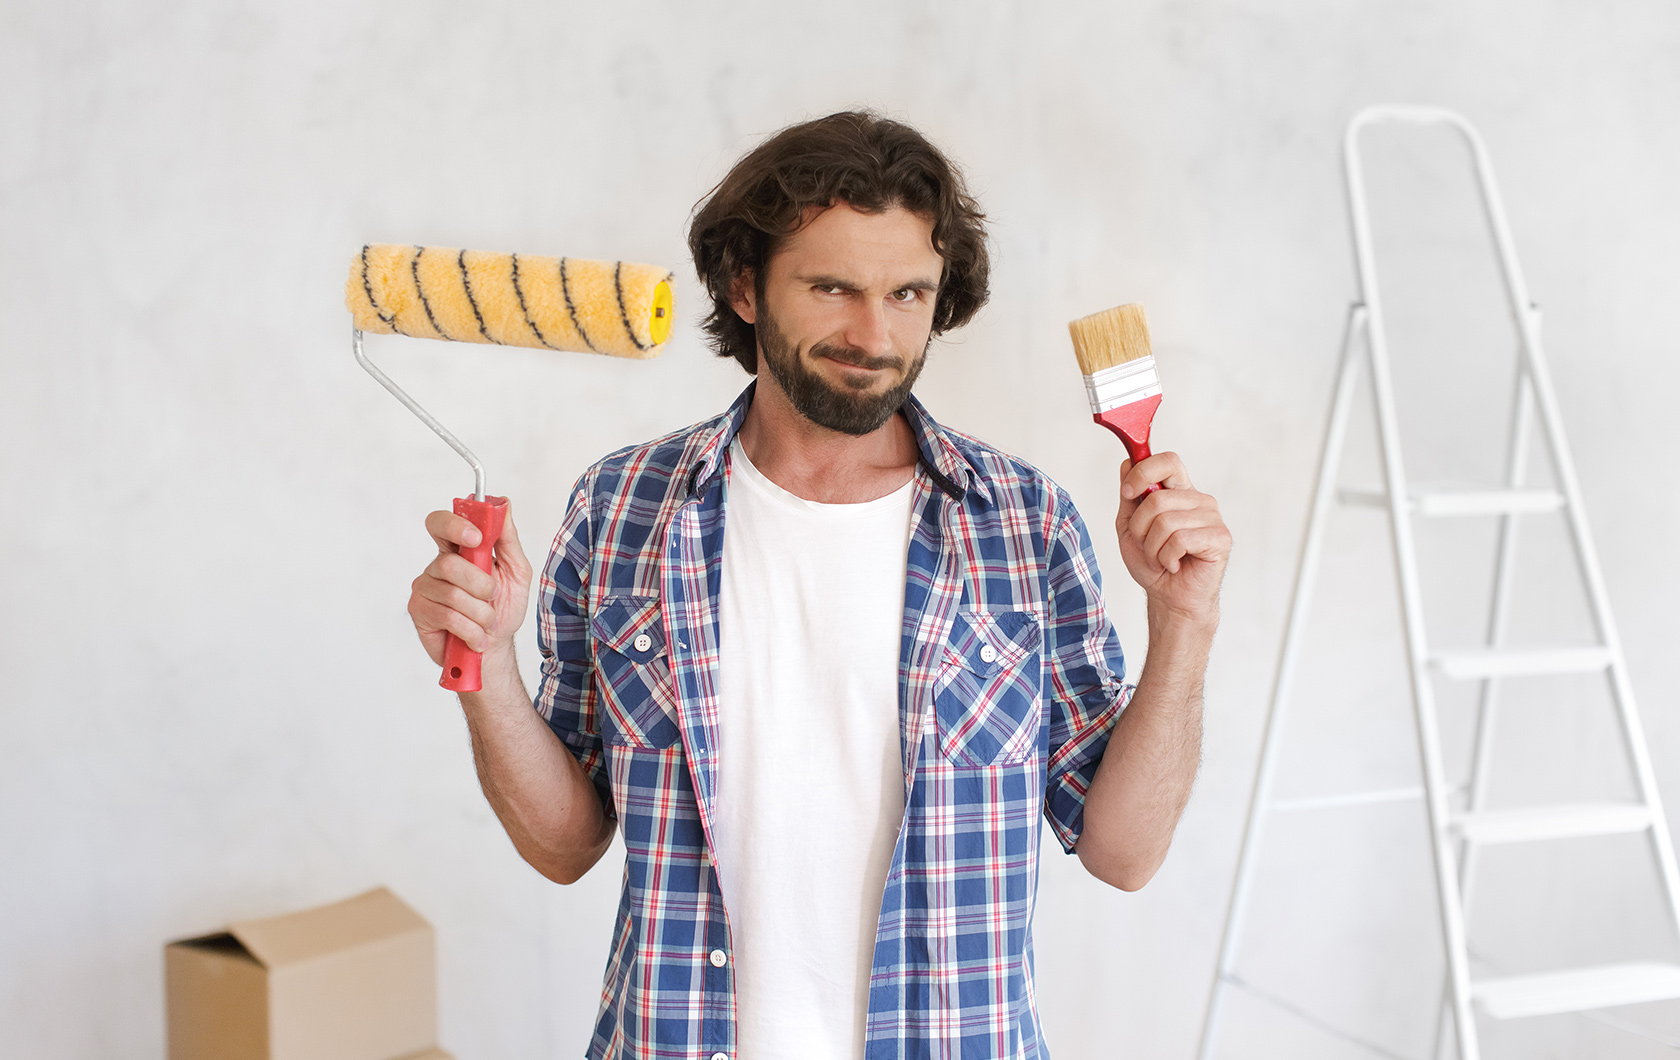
{"points": [[743, 296]]}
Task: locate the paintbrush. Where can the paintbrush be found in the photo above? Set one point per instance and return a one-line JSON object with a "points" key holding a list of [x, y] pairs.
{"points": [[1120, 377]]}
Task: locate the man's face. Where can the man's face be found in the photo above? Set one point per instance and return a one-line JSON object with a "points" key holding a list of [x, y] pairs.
{"points": [[846, 314]]}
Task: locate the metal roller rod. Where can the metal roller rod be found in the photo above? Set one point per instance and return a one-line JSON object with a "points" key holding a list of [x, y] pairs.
{"points": [[425, 417]]}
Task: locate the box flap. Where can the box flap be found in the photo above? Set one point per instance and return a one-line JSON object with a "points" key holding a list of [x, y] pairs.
{"points": [[296, 937], [219, 942], [217, 1000]]}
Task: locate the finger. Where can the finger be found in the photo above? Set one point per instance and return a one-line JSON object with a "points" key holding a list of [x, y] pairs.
{"points": [[1159, 469], [432, 617], [1163, 469], [1208, 544], [1173, 521], [456, 569], [452, 531], [455, 598], [1158, 503], [1161, 529], [433, 642]]}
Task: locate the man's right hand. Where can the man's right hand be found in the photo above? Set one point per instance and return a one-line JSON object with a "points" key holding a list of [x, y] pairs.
{"points": [[451, 595], [540, 793]]}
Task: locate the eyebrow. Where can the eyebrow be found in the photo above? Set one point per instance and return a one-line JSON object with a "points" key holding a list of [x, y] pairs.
{"points": [[847, 285]]}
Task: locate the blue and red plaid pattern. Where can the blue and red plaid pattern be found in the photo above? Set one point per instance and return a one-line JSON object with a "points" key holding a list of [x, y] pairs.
{"points": [[1010, 681]]}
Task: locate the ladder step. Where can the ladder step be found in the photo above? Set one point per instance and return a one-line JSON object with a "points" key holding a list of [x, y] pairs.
{"points": [[1451, 502], [1479, 663], [1510, 997], [1552, 822]]}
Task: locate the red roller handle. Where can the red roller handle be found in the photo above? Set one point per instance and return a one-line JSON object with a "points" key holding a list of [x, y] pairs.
{"points": [[1131, 423], [462, 667]]}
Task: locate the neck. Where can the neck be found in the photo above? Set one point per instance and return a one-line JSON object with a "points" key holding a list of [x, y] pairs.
{"points": [[820, 464]]}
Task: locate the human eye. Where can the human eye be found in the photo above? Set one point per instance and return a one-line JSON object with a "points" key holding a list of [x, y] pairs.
{"points": [[905, 295]]}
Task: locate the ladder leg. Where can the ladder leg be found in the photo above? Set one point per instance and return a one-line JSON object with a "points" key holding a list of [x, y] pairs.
{"points": [[1423, 692], [1516, 473], [1347, 378], [1411, 598], [1586, 554], [1621, 689], [1633, 740]]}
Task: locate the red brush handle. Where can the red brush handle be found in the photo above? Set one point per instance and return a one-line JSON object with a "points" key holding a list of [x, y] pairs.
{"points": [[1131, 423], [462, 667]]}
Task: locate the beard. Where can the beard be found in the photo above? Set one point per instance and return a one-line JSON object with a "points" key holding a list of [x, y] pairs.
{"points": [[846, 409]]}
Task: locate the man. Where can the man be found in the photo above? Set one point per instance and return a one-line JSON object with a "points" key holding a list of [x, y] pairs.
{"points": [[826, 665]]}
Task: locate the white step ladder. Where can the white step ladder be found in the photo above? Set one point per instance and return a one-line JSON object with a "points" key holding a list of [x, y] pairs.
{"points": [[1458, 835]]}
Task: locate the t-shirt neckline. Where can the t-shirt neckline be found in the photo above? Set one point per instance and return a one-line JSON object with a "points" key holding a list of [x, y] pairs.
{"points": [[757, 479]]}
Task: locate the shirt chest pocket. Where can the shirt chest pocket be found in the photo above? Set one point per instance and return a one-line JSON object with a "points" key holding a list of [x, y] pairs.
{"points": [[633, 680], [987, 696]]}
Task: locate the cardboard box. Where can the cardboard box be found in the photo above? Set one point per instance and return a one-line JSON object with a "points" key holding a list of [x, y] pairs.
{"points": [[355, 980]]}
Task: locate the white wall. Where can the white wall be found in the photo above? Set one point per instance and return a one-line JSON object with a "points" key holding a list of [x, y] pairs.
{"points": [[215, 708]]}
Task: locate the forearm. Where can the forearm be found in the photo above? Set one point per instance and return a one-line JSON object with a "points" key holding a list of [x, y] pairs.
{"points": [[543, 797], [1149, 768]]}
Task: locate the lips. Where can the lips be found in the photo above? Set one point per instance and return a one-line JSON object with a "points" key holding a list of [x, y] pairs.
{"points": [[855, 366], [858, 359]]}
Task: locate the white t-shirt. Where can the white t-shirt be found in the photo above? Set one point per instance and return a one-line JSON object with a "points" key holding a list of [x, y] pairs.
{"points": [[810, 790]]}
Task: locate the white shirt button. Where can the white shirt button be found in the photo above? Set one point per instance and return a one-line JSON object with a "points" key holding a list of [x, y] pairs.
{"points": [[642, 642], [720, 1056], [988, 653], [719, 960]]}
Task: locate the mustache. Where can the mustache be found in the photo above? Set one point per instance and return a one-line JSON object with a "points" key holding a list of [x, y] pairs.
{"points": [[849, 355]]}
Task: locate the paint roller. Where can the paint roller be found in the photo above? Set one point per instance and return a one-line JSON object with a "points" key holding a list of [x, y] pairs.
{"points": [[616, 308]]}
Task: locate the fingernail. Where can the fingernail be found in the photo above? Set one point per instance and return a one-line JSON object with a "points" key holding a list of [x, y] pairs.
{"points": [[472, 537]]}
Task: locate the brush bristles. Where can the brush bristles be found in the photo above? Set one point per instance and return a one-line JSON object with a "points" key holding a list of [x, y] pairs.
{"points": [[1114, 336]]}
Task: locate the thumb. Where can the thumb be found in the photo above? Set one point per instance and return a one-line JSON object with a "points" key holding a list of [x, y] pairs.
{"points": [[508, 548], [1127, 504]]}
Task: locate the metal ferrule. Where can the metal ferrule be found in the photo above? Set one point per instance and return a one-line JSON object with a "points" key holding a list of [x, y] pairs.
{"points": [[1122, 384]]}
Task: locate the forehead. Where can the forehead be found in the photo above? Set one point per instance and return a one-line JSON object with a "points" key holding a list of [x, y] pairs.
{"points": [[892, 246]]}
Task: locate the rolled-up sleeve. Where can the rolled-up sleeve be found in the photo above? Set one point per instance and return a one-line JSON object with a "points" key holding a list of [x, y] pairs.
{"points": [[566, 686], [1087, 673]]}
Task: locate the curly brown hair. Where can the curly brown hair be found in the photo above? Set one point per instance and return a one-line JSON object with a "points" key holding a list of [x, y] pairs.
{"points": [[862, 159]]}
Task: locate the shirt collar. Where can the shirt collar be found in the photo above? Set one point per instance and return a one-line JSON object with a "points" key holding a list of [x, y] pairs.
{"points": [[936, 453]]}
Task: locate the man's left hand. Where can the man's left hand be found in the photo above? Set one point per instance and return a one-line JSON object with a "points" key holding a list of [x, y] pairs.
{"points": [[1173, 540]]}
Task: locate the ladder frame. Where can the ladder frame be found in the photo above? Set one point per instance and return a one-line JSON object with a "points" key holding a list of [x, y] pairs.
{"points": [[1454, 857]]}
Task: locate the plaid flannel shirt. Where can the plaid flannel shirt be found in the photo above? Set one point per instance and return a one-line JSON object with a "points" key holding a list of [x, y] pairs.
{"points": [[1010, 681]]}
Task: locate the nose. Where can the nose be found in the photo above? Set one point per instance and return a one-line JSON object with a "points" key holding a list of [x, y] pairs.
{"points": [[867, 329]]}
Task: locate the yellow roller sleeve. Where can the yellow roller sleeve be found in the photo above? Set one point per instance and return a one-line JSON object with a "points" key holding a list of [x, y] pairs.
{"points": [[612, 307]]}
